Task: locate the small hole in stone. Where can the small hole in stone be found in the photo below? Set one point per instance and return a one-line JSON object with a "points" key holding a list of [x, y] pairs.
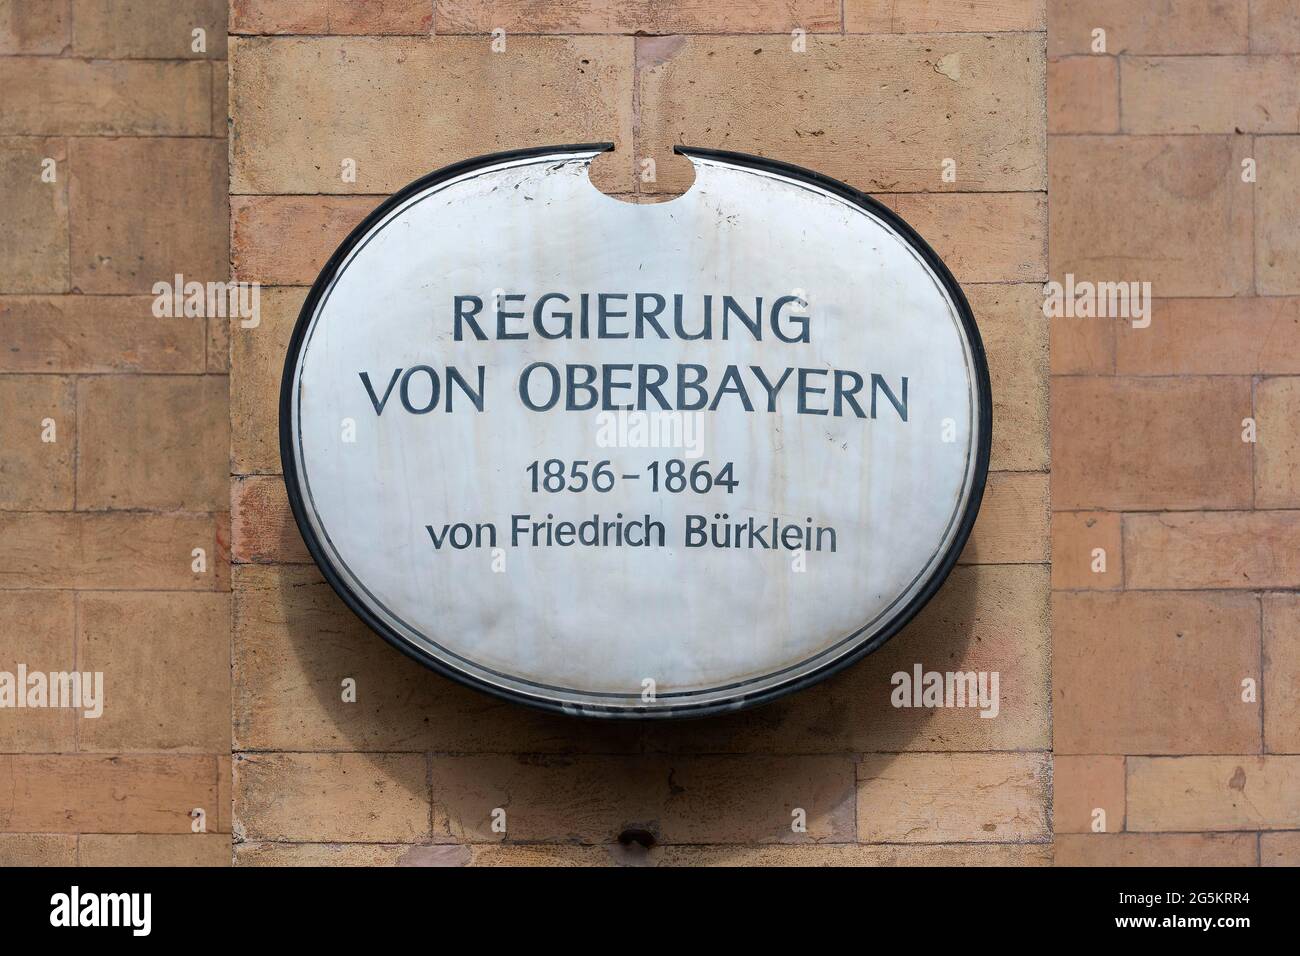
{"points": [[634, 837]]}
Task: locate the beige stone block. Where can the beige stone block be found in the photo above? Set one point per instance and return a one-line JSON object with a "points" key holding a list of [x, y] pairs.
{"points": [[940, 798], [34, 215], [1156, 849], [53, 95], [1141, 26], [149, 29], [262, 528], [1087, 793], [1213, 793], [145, 210], [1138, 209], [943, 16], [1083, 346], [642, 17], [1172, 665], [881, 113], [1277, 444], [591, 800], [286, 240], [1012, 523], [38, 441], [1083, 95], [1277, 240], [89, 793], [279, 16], [1274, 26], [38, 849], [34, 26], [1135, 443], [1087, 551], [155, 441], [165, 657], [1279, 849], [95, 333], [1242, 336], [1281, 684], [220, 99], [154, 849], [338, 797], [1212, 549], [37, 629], [298, 103], [993, 237], [256, 365], [125, 551], [1016, 344], [1209, 94]]}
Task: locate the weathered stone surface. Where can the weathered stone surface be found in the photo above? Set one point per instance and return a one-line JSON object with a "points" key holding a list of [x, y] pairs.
{"points": [[1209, 94], [94, 333], [1277, 241], [1172, 665], [147, 29], [1240, 336], [943, 16], [167, 217], [38, 441], [34, 215], [642, 17], [683, 800], [1083, 95], [989, 91], [1214, 793], [1077, 537], [1088, 792], [38, 849], [286, 240], [1173, 192], [1155, 849], [1172, 26], [47, 96], [189, 849], [298, 116], [1012, 523], [937, 798], [126, 551], [334, 797], [178, 645], [37, 629], [90, 793], [1134, 443], [1281, 673], [1215, 549], [155, 441], [34, 26]]}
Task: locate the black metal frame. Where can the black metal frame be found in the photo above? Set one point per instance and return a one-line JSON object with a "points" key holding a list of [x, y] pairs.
{"points": [[833, 666]]}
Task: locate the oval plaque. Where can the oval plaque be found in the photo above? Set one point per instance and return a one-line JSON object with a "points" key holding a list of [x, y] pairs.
{"points": [[634, 460]]}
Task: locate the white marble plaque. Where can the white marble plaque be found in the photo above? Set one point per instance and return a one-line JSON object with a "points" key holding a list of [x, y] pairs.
{"points": [[634, 460]]}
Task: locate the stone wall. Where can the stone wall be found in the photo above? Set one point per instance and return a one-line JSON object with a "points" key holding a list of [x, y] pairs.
{"points": [[1176, 689], [114, 430], [871, 93]]}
